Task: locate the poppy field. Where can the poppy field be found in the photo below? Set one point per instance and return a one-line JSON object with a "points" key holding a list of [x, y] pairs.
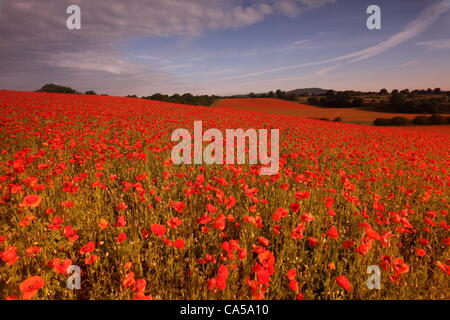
{"points": [[88, 181]]}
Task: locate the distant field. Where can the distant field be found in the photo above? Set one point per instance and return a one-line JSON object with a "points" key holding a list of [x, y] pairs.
{"points": [[354, 115]]}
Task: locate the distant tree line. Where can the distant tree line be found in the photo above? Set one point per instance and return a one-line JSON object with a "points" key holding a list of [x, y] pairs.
{"points": [[55, 88], [406, 103], [417, 101], [339, 99], [278, 94], [187, 98], [435, 119]]}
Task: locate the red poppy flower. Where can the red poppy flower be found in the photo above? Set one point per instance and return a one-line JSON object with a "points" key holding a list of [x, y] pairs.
{"points": [[179, 244], [174, 222], [91, 259], [67, 204], [444, 267], [179, 206], [307, 217], [9, 255], [344, 283], [121, 237], [230, 202], [70, 233], [103, 224], [333, 233], [31, 201], [313, 242], [25, 222], [158, 229], [400, 266], [211, 208], [293, 285], [420, 252], [297, 233], [129, 280], [279, 214], [302, 195], [294, 207], [263, 241], [30, 287], [33, 251], [88, 247], [299, 296], [291, 274], [61, 266], [121, 221], [122, 206], [219, 222]]}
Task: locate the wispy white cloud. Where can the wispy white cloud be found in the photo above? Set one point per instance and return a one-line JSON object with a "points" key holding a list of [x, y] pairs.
{"points": [[436, 44], [411, 62], [177, 66], [36, 42], [411, 30], [295, 45], [293, 8]]}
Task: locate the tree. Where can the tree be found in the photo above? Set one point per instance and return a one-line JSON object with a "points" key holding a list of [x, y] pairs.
{"points": [[384, 92], [313, 100], [330, 94], [437, 91], [382, 122], [54, 88], [291, 97], [405, 91], [357, 103], [421, 120], [397, 100]]}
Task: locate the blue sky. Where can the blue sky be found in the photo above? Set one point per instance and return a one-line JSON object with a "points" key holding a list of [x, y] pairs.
{"points": [[225, 47]]}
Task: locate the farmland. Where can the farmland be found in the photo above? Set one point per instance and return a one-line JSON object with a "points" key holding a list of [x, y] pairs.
{"points": [[88, 181], [354, 115]]}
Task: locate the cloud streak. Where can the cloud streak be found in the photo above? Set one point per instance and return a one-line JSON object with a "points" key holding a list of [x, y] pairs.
{"points": [[410, 31], [411, 62], [436, 44], [37, 45]]}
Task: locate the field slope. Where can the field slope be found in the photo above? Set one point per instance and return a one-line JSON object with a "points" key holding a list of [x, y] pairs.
{"points": [[355, 115], [88, 181]]}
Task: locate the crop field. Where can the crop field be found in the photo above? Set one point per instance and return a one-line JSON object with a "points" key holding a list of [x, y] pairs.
{"points": [[88, 181], [355, 115]]}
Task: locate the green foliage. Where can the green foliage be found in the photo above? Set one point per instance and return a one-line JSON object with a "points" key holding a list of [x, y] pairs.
{"points": [[54, 88], [340, 99], [357, 103], [421, 120], [435, 119], [382, 122], [313, 100], [438, 119], [400, 121], [187, 98]]}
